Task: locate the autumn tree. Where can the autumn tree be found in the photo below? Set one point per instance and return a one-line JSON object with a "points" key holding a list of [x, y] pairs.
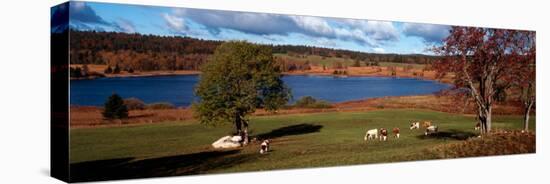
{"points": [[528, 95], [483, 61], [525, 75], [240, 78]]}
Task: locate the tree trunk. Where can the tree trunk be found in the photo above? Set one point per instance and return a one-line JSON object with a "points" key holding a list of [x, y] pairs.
{"points": [[526, 120], [485, 119], [489, 121], [245, 132], [526, 116], [238, 124], [242, 128]]}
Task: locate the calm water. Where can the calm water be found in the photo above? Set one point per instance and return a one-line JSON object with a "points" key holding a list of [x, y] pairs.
{"points": [[178, 90]]}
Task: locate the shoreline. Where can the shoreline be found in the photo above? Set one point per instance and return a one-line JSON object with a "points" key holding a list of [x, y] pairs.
{"points": [[194, 72], [364, 75], [362, 71], [144, 74], [90, 116]]}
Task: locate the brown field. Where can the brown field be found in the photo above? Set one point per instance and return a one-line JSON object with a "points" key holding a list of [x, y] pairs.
{"points": [[498, 142], [91, 116]]}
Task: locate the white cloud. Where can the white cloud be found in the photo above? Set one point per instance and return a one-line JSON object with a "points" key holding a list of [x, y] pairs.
{"points": [[251, 23], [313, 24], [175, 23], [124, 26], [362, 32], [379, 50], [382, 30], [371, 33], [377, 30]]}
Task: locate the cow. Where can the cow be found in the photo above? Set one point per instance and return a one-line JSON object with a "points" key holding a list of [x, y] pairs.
{"points": [[228, 142], [415, 125], [426, 124], [396, 132], [477, 127], [383, 134], [371, 134], [264, 147], [431, 129]]}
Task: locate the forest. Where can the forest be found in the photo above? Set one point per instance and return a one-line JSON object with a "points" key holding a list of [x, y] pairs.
{"points": [[151, 52]]}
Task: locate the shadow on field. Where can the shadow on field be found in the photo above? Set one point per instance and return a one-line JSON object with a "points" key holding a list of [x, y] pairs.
{"points": [[291, 130], [450, 134], [128, 168]]}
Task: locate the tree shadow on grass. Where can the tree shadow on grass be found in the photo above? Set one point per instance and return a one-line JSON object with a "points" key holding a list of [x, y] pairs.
{"points": [[450, 134], [128, 168], [290, 130]]}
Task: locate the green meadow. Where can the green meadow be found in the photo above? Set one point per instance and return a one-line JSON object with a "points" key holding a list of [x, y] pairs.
{"points": [[298, 141]]}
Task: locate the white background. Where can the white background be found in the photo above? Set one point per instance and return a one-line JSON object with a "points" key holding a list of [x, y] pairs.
{"points": [[24, 90]]}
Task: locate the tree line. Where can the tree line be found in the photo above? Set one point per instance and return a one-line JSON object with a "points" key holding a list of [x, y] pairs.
{"points": [[138, 52]]}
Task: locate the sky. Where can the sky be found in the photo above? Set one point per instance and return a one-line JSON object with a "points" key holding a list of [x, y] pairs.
{"points": [[349, 34]]}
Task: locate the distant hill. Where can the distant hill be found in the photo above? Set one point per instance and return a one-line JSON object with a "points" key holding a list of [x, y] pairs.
{"points": [[152, 52]]}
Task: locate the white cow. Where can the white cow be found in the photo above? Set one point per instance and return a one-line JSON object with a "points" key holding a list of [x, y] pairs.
{"points": [[228, 142], [371, 134], [431, 129]]}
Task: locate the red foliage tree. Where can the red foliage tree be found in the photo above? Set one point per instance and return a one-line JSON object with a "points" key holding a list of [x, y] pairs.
{"points": [[483, 61], [525, 76]]}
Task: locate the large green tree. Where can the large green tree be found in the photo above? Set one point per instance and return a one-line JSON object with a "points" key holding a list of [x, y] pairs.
{"points": [[240, 78]]}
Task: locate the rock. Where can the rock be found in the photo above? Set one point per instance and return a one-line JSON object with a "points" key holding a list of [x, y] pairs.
{"points": [[228, 142]]}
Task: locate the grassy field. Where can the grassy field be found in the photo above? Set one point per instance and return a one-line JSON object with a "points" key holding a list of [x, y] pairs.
{"points": [[328, 61], [299, 140], [415, 66]]}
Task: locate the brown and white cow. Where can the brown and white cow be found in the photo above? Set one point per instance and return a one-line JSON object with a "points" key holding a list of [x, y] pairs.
{"points": [[396, 132], [426, 124], [383, 134], [431, 129], [264, 147]]}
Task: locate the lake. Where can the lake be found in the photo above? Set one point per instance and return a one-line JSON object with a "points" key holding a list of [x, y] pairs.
{"points": [[178, 89]]}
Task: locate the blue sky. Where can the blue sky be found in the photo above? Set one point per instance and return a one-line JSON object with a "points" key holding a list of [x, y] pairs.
{"points": [[349, 34]]}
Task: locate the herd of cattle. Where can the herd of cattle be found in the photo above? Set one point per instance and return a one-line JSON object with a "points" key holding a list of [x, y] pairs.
{"points": [[382, 133]]}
